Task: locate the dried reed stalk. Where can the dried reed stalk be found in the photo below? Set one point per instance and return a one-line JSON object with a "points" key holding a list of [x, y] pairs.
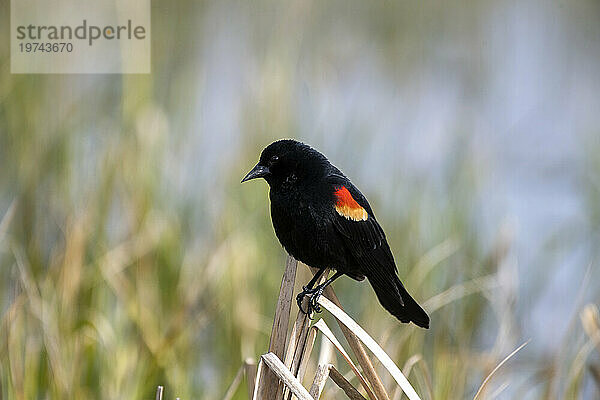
{"points": [[300, 345], [275, 365], [319, 382], [250, 372], [271, 370], [268, 384], [359, 351], [343, 384], [322, 326], [386, 361], [235, 384]]}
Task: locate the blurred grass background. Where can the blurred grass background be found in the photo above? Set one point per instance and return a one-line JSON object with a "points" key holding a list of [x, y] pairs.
{"points": [[130, 255]]}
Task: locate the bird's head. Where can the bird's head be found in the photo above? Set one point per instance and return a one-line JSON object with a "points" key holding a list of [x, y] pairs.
{"points": [[286, 162]]}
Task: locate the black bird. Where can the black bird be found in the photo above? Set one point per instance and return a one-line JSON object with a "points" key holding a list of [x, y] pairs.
{"points": [[323, 220]]}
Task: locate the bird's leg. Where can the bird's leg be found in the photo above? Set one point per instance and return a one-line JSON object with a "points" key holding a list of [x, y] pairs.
{"points": [[308, 289], [313, 305], [314, 279]]}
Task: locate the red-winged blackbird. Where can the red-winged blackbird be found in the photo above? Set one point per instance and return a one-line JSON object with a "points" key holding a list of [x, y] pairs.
{"points": [[323, 220]]}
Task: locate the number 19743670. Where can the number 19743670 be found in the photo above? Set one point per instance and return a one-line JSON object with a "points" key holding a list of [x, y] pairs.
{"points": [[45, 47]]}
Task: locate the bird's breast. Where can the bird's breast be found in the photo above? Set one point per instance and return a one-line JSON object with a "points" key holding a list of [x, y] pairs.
{"points": [[303, 227]]}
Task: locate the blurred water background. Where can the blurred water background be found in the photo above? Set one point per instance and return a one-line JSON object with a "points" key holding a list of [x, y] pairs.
{"points": [[131, 256]]}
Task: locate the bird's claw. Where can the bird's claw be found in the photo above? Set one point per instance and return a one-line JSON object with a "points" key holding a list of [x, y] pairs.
{"points": [[300, 297], [313, 302]]}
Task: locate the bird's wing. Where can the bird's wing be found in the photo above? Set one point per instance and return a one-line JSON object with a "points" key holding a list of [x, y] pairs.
{"points": [[353, 218]]}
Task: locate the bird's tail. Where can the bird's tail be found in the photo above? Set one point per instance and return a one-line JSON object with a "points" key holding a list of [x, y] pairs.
{"points": [[393, 297]]}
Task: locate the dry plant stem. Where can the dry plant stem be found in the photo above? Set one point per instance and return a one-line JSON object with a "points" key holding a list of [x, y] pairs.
{"points": [[235, 384], [386, 361], [325, 351], [297, 349], [319, 382], [322, 326], [487, 378], [302, 360], [359, 351], [310, 341], [343, 384], [298, 329], [408, 366], [259, 373], [268, 384], [250, 372], [459, 291], [279, 369], [577, 366]]}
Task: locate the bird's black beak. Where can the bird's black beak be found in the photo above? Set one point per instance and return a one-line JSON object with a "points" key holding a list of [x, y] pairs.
{"points": [[258, 171]]}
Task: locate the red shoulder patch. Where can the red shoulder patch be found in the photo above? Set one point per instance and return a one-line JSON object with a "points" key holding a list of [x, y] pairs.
{"points": [[347, 207]]}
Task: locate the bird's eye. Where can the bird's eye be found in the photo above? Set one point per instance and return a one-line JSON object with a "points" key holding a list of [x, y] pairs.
{"points": [[274, 159]]}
